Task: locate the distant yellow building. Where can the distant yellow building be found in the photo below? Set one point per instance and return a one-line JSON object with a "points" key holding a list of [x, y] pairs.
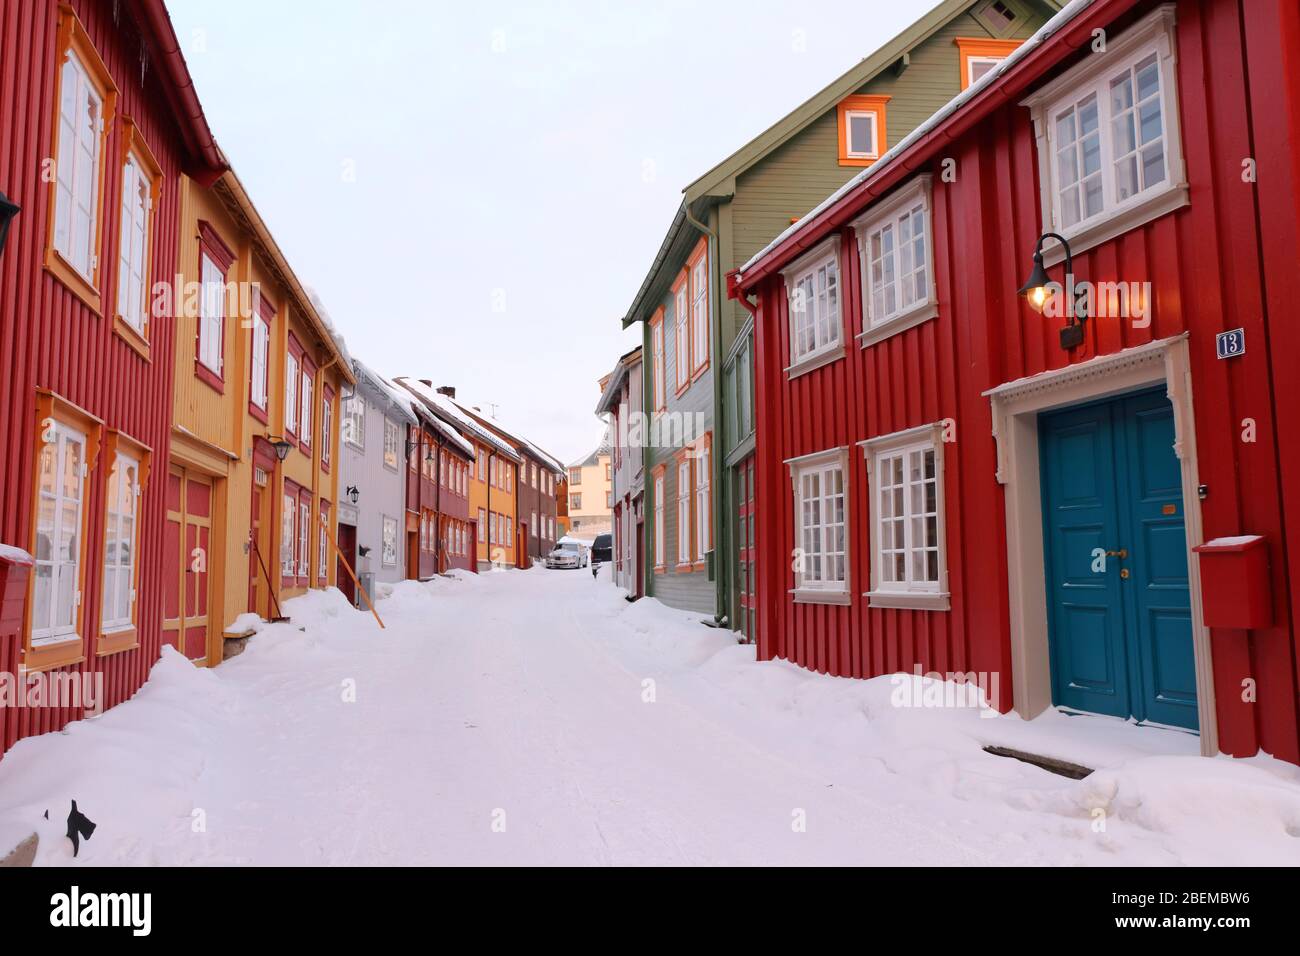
{"points": [[590, 490]]}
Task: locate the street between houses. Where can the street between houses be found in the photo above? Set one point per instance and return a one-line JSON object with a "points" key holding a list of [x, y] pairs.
{"points": [[535, 717]]}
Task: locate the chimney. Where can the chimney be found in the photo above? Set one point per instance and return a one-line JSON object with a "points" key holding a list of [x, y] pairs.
{"points": [[427, 383], [448, 390]]}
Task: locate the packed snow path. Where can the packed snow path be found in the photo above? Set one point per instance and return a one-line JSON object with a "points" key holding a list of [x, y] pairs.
{"points": [[537, 718]]}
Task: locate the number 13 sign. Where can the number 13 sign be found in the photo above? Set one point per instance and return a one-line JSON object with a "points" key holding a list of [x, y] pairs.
{"points": [[1230, 344]]}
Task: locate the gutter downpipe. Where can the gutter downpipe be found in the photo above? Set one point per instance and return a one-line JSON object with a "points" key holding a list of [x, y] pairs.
{"points": [[721, 544]]}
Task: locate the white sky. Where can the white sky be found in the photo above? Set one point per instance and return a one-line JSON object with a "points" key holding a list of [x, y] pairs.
{"points": [[476, 190]]}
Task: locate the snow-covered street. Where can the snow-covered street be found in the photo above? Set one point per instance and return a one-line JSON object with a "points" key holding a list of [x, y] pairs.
{"points": [[538, 718]]}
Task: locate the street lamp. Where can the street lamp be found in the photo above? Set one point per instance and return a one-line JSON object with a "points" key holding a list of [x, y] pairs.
{"points": [[352, 493], [7, 212], [1037, 289], [280, 445]]}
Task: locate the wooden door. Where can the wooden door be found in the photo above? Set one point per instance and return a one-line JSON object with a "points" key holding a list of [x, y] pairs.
{"points": [[186, 563], [347, 542]]}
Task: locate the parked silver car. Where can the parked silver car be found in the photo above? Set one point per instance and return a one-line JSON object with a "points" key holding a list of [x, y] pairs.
{"points": [[568, 554]]}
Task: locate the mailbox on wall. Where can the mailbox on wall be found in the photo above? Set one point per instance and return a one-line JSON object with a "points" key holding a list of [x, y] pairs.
{"points": [[1235, 588], [15, 568]]}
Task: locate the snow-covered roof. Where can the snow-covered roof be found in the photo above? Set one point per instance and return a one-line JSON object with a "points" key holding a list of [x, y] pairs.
{"points": [[450, 412], [399, 399], [886, 162], [547, 459]]}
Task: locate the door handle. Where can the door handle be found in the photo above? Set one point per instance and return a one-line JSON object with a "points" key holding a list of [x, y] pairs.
{"points": [[1122, 553]]}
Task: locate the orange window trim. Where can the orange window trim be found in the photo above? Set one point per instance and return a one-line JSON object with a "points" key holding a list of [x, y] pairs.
{"points": [[862, 103], [72, 37], [969, 48], [686, 563], [52, 406]]}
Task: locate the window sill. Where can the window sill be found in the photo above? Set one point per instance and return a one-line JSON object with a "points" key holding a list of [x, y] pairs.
{"points": [[117, 642], [683, 569], [909, 600], [72, 280], [814, 362], [805, 596], [899, 323], [209, 377], [49, 656], [125, 331], [1118, 223], [259, 413]]}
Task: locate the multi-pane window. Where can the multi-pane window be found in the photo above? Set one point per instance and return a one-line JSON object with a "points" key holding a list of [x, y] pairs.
{"points": [[659, 519], [821, 513], [326, 426], [133, 246], [1108, 131], [321, 541], [575, 502], [308, 401], [575, 476], [354, 421], [391, 441], [682, 339], [657, 369], [120, 558], [906, 503], [814, 302], [684, 510], [212, 314], [76, 202], [703, 505], [482, 465], [304, 538], [288, 536], [292, 375], [700, 313], [388, 545], [895, 249], [482, 525], [61, 477], [259, 384]]}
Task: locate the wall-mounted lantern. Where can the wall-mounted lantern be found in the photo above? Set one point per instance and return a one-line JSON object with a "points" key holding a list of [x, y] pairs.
{"points": [[281, 446], [352, 493], [1038, 290], [7, 212]]}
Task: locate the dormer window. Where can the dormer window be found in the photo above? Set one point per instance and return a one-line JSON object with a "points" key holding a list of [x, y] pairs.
{"points": [[862, 130]]}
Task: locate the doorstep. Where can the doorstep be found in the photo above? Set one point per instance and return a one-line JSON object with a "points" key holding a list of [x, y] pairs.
{"points": [[1083, 741]]}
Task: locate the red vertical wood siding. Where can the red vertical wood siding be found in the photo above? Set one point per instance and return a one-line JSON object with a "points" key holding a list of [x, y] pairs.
{"points": [[49, 339], [1226, 261]]}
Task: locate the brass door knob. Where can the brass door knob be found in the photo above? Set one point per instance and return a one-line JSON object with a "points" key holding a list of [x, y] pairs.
{"points": [[1121, 553]]}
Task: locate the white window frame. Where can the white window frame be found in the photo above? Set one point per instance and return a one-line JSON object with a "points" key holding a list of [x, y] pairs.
{"points": [[62, 433], [288, 534], [921, 595], [660, 512], [849, 151], [682, 335], [810, 587], [292, 373], [326, 427], [261, 349], [684, 501], [700, 313], [878, 321], [1152, 34], [308, 405], [84, 259], [482, 526], [828, 330], [321, 551], [392, 438], [212, 314], [133, 263], [354, 414], [388, 542], [117, 514], [304, 538], [703, 502]]}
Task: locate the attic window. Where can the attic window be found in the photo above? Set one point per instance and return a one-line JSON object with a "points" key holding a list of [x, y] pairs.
{"points": [[862, 129], [999, 17]]}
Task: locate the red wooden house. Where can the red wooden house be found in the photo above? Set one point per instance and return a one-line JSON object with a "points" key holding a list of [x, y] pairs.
{"points": [[100, 118], [1094, 497], [440, 536]]}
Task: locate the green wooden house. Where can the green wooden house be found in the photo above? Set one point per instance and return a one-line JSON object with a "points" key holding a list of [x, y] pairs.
{"points": [[698, 344]]}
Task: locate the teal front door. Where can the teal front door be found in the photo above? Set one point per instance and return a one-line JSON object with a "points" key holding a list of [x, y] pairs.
{"points": [[1119, 608]]}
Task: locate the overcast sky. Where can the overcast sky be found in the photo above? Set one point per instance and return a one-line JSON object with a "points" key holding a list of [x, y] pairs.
{"points": [[477, 189]]}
